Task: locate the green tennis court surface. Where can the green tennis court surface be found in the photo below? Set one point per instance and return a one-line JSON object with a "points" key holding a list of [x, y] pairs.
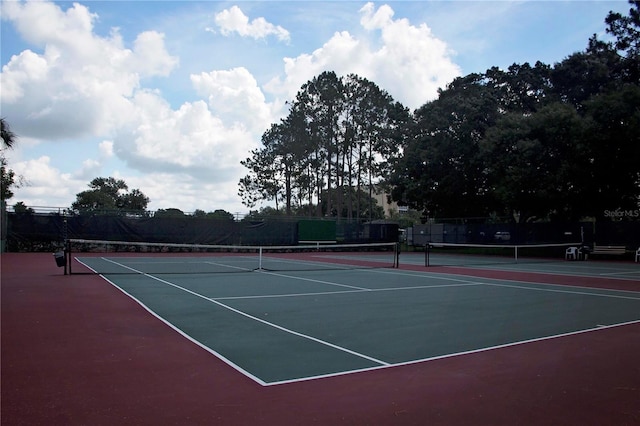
{"points": [[277, 327]]}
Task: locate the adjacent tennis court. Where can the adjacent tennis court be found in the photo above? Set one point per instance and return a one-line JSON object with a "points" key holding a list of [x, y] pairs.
{"points": [[328, 313], [506, 258]]}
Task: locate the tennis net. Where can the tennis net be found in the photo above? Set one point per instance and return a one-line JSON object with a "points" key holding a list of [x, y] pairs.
{"points": [[122, 257], [449, 254]]}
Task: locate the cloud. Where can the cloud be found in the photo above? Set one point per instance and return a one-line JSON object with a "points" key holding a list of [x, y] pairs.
{"points": [[234, 96], [149, 56], [42, 23], [106, 149], [85, 89], [90, 169], [235, 21], [46, 185], [84, 85], [189, 140], [421, 63], [80, 85], [406, 60], [186, 192]]}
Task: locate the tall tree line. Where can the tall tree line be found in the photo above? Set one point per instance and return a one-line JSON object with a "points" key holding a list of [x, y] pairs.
{"points": [[325, 157], [534, 142]]}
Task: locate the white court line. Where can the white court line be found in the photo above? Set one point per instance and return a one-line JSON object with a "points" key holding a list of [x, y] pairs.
{"points": [[286, 330], [442, 275], [314, 280], [463, 282], [532, 286], [383, 365], [164, 262], [227, 266], [176, 329], [619, 273], [470, 352], [526, 285], [550, 290], [324, 293], [188, 337], [575, 271], [570, 273]]}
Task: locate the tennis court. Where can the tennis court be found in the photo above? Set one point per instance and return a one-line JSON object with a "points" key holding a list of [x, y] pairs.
{"points": [[408, 345], [524, 263], [335, 315]]}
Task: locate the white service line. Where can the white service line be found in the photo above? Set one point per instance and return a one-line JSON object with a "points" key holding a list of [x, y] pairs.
{"points": [[551, 290], [270, 324], [315, 281]]}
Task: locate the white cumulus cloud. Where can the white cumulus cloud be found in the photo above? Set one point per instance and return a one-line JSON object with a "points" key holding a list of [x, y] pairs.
{"points": [[190, 139], [234, 95], [46, 185], [115, 102], [81, 83], [406, 60], [233, 20]]}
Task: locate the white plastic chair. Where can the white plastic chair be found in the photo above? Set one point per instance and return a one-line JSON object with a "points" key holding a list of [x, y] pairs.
{"points": [[571, 253]]}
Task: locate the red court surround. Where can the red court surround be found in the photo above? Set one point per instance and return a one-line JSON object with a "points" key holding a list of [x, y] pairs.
{"points": [[76, 351]]}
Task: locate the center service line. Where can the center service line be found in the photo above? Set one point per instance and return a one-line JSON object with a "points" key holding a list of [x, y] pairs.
{"points": [[286, 330]]}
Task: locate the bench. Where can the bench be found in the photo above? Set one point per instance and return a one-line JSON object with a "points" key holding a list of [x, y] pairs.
{"points": [[609, 250]]}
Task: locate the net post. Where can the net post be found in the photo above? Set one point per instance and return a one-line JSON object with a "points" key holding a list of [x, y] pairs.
{"points": [[427, 248], [396, 256], [67, 253], [516, 257], [260, 258]]}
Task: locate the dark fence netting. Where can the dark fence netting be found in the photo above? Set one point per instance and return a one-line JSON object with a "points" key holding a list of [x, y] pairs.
{"points": [[46, 232], [35, 232], [603, 233], [505, 233], [618, 233]]}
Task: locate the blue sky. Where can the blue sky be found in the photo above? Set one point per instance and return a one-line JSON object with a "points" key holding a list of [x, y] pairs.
{"points": [[170, 96]]}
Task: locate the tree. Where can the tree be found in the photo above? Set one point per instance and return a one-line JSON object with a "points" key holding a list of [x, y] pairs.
{"points": [[8, 137], [7, 180], [373, 129], [134, 201], [626, 30], [585, 74], [441, 172], [543, 142], [536, 163], [336, 141], [170, 212], [7, 176], [612, 147], [220, 214], [257, 216], [262, 182], [199, 213], [21, 208], [110, 194]]}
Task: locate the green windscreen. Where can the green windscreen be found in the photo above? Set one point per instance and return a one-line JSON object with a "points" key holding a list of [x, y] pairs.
{"points": [[317, 230]]}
